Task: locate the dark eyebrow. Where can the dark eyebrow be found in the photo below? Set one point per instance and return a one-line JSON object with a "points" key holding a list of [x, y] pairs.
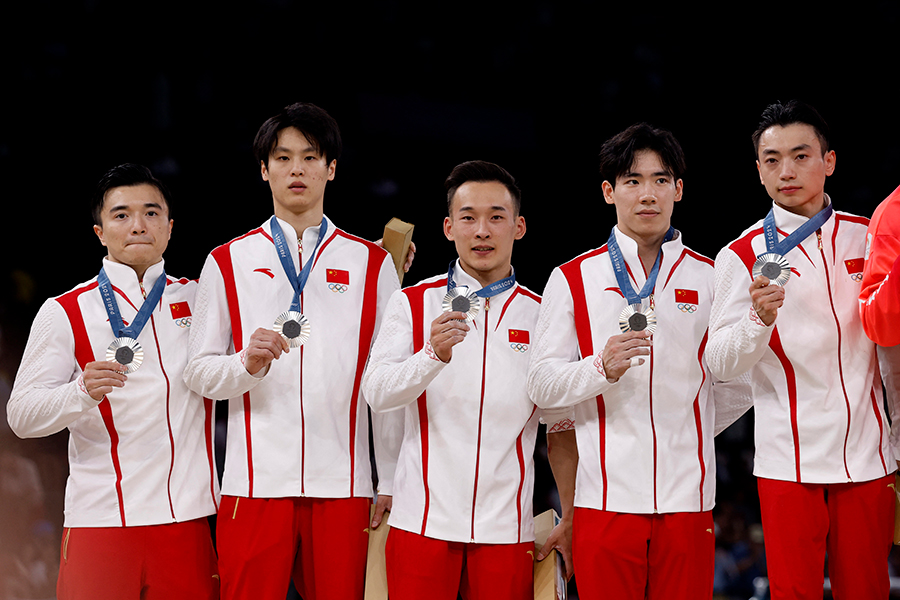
{"points": [[124, 207], [471, 208], [285, 150]]}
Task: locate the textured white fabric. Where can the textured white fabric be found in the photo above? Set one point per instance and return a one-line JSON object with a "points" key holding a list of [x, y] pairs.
{"points": [[480, 424], [295, 439], [163, 430], [815, 385], [645, 442]]}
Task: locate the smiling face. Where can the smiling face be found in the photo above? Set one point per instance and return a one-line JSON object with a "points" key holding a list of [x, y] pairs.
{"points": [[644, 198], [297, 174], [483, 225], [793, 168], [135, 226]]}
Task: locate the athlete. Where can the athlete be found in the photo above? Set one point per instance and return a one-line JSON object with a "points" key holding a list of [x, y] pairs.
{"points": [[786, 312], [451, 358], [105, 361], [285, 317], [620, 338], [879, 299]]}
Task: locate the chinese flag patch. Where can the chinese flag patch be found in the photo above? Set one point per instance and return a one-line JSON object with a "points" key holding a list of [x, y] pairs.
{"points": [[337, 276], [518, 336], [855, 265], [686, 296], [180, 310]]}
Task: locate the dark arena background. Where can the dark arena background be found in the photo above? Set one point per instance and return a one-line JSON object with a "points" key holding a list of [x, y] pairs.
{"points": [[416, 88]]}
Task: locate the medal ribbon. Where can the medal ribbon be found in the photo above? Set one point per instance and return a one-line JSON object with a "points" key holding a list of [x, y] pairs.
{"points": [[618, 263], [112, 307], [492, 289], [800, 234], [298, 282]]}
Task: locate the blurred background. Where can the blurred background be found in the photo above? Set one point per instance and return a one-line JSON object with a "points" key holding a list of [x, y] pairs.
{"points": [[416, 88]]}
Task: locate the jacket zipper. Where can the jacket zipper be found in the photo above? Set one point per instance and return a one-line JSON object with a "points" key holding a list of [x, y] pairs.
{"points": [[840, 361], [487, 306]]}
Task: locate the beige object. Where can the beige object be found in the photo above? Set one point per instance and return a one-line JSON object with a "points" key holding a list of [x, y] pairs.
{"points": [[397, 238], [550, 573], [376, 575]]}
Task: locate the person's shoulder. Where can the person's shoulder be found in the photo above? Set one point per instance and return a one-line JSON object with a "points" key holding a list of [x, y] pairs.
{"points": [[348, 238], [527, 293], [435, 281]]}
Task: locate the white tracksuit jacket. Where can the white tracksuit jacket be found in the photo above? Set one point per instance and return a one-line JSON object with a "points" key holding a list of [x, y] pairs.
{"points": [[301, 428], [144, 454], [816, 389], [465, 472], [645, 443]]}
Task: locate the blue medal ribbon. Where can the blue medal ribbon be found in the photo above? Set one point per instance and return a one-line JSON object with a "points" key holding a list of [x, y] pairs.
{"points": [[492, 289], [621, 269], [801, 233], [298, 282], [112, 307]]}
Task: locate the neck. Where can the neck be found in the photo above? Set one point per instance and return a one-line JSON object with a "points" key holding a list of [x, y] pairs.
{"points": [[300, 221], [486, 278], [808, 209], [648, 249]]}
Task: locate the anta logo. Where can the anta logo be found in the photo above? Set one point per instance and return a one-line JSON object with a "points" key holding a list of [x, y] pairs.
{"points": [[338, 280], [265, 272]]}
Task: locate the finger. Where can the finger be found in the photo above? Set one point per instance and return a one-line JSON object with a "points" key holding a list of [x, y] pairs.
{"points": [[377, 516]]}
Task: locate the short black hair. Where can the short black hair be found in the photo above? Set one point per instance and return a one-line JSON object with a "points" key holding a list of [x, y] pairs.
{"points": [[313, 122], [481, 171], [789, 113], [618, 153], [126, 175]]}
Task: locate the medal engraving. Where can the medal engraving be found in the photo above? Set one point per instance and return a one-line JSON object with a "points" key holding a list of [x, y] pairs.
{"points": [[773, 267], [633, 318], [127, 352], [294, 327], [462, 300]]}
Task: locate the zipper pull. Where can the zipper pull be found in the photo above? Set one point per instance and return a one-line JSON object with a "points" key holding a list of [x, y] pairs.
{"points": [[819, 238]]}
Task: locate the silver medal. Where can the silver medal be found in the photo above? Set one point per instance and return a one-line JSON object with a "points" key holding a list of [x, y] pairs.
{"points": [[462, 300], [773, 267], [632, 318], [127, 352], [294, 327]]}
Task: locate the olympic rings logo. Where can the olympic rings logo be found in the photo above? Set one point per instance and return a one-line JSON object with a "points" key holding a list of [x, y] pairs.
{"points": [[183, 322], [688, 308], [519, 347], [857, 277], [338, 288]]}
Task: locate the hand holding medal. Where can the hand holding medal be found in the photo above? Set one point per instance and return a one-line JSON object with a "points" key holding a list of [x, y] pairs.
{"points": [[773, 267], [102, 377]]}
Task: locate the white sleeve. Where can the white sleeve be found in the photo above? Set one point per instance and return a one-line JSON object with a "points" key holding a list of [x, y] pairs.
{"points": [[557, 376], [737, 337], [395, 376], [889, 365], [48, 394], [387, 429], [213, 369], [732, 399]]}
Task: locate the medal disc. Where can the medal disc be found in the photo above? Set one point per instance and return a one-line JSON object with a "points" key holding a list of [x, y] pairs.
{"points": [[294, 327], [127, 352], [462, 300], [773, 267], [633, 318]]}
